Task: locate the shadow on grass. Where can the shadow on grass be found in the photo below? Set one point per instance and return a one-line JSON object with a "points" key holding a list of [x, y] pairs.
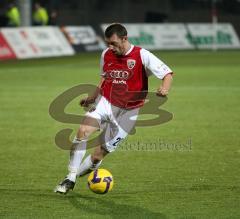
{"points": [[95, 205], [105, 206]]}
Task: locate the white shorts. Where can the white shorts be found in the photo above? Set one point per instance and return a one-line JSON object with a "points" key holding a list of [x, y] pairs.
{"points": [[115, 122]]}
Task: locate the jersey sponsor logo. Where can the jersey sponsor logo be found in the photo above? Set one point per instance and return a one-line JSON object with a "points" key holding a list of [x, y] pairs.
{"points": [[119, 81], [131, 63], [117, 74]]}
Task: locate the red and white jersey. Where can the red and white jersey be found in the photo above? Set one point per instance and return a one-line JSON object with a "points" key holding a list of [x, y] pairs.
{"points": [[126, 76]]}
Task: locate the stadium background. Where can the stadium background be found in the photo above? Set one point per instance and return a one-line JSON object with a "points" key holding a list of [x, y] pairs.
{"points": [[186, 168], [93, 12]]}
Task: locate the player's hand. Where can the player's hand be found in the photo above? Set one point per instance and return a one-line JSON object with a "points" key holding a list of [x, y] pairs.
{"points": [[162, 92], [86, 101]]}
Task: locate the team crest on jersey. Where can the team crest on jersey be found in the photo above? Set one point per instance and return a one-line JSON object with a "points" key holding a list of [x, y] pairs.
{"points": [[131, 63]]}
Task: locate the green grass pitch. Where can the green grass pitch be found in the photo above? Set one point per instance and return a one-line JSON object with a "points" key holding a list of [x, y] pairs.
{"points": [[193, 173]]}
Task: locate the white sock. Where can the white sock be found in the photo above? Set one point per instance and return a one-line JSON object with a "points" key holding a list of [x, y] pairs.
{"points": [[87, 166], [76, 155]]}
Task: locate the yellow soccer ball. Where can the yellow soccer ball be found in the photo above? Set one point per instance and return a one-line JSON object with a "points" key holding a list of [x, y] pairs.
{"points": [[100, 181]]}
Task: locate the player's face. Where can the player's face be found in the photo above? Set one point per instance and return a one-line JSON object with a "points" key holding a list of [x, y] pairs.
{"points": [[116, 44]]}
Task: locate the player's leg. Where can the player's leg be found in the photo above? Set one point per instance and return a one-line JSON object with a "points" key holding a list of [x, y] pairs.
{"points": [[78, 150], [123, 123], [92, 161], [89, 126], [113, 134]]}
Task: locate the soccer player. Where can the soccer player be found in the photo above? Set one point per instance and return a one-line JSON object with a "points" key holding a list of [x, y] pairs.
{"points": [[121, 92]]}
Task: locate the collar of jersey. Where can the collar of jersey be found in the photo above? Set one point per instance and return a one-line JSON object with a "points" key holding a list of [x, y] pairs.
{"points": [[130, 50]]}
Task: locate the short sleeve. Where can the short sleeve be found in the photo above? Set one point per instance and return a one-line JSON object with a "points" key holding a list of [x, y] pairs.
{"points": [[154, 65]]}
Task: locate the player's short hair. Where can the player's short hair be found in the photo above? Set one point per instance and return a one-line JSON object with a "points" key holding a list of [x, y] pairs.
{"points": [[115, 28]]}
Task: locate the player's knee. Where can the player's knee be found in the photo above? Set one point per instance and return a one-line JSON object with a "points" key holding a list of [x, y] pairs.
{"points": [[83, 132], [96, 158]]}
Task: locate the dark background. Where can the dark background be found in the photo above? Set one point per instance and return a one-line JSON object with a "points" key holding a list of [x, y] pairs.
{"points": [[94, 12]]}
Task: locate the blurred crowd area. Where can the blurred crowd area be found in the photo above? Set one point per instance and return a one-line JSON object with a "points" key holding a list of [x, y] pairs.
{"points": [[93, 12]]}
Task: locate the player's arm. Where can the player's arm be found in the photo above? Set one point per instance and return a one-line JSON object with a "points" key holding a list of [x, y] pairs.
{"points": [[165, 86], [155, 66], [91, 99]]}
